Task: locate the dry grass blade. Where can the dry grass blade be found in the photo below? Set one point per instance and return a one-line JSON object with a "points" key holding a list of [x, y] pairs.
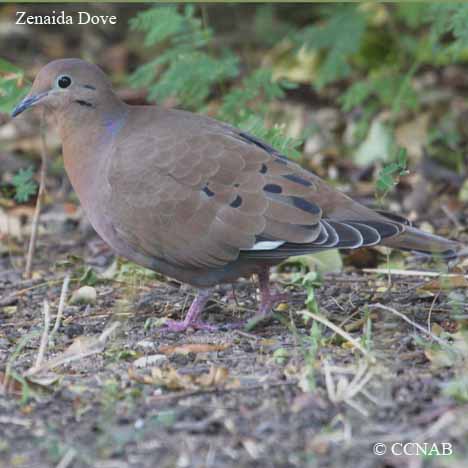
{"points": [[63, 297], [82, 347], [422, 274], [67, 459], [44, 337], [344, 390], [339, 331], [414, 324]]}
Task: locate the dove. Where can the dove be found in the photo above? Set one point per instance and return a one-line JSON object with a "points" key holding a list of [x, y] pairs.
{"points": [[196, 199]]}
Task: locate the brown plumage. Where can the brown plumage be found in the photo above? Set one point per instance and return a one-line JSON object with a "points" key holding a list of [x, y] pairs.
{"points": [[194, 198]]}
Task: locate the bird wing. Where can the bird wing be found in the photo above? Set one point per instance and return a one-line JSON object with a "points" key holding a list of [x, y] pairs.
{"points": [[197, 193]]}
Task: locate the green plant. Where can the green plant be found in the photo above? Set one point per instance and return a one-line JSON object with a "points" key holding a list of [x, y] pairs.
{"points": [[311, 346], [311, 343], [310, 281], [191, 68], [338, 36], [185, 66], [390, 174], [25, 185], [12, 85]]}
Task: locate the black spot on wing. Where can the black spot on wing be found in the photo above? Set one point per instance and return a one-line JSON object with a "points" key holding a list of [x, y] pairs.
{"points": [[305, 205], [298, 180], [237, 202], [263, 169], [272, 188], [265, 146], [257, 142], [208, 192]]}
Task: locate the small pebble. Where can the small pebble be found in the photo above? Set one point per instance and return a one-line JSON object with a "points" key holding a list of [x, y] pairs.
{"points": [[84, 295]]}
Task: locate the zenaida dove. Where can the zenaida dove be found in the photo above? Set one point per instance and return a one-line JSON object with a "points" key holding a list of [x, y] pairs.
{"points": [[194, 198]]}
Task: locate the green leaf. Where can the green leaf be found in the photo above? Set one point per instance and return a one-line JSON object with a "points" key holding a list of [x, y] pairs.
{"points": [[390, 174], [8, 67], [184, 69], [11, 86], [24, 184], [339, 36]]}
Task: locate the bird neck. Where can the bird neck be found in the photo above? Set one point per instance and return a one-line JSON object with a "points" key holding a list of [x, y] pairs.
{"points": [[104, 117], [87, 133]]}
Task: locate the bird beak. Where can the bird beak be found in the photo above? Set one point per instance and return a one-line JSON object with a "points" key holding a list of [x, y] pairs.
{"points": [[28, 102]]}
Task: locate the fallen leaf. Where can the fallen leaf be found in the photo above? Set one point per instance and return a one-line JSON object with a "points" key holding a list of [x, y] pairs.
{"points": [[140, 378], [445, 282], [10, 385], [282, 307], [376, 146], [171, 379], [456, 355], [217, 376], [45, 379], [82, 346]]}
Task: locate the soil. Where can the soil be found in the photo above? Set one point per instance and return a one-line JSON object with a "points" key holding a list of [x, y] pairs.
{"points": [[231, 398]]}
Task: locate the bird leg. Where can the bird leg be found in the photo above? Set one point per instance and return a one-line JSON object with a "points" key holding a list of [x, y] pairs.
{"points": [[267, 299], [191, 319]]}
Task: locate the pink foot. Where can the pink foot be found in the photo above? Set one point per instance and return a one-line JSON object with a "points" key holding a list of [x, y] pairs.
{"points": [[191, 320]]}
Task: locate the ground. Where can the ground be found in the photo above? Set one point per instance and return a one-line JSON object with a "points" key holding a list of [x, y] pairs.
{"points": [[278, 395]]}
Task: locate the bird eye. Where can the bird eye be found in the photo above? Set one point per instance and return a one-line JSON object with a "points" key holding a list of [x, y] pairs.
{"points": [[64, 81]]}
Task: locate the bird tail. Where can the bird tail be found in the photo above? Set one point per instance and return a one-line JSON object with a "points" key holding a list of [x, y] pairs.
{"points": [[416, 240]]}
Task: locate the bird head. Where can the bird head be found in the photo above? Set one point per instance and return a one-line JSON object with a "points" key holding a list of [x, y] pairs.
{"points": [[64, 84]]}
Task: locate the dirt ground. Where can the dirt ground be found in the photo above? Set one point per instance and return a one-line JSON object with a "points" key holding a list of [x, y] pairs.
{"points": [[271, 396]]}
